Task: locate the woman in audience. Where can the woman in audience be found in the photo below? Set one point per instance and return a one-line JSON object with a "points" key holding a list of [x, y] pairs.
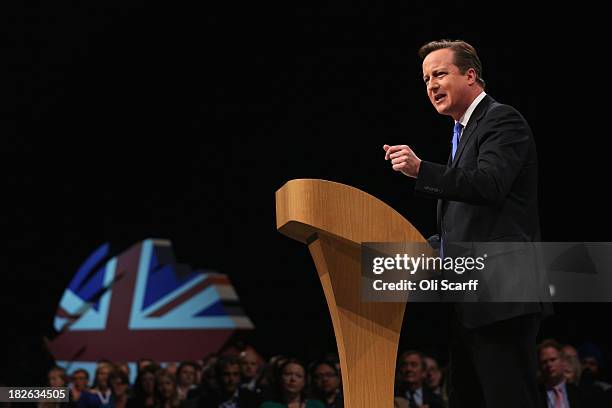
{"points": [[291, 385]]}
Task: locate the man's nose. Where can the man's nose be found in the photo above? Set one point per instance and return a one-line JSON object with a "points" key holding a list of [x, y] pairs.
{"points": [[432, 85]]}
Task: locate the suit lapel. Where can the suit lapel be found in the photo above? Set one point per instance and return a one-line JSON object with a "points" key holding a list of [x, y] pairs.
{"points": [[472, 124], [471, 127]]}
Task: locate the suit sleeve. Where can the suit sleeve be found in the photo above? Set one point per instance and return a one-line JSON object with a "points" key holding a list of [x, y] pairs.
{"points": [[502, 151]]}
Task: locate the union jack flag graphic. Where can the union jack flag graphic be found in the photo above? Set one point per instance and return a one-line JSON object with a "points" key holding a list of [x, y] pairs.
{"points": [[142, 303]]}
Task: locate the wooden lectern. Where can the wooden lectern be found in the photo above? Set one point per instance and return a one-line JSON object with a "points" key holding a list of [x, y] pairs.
{"points": [[333, 220]]}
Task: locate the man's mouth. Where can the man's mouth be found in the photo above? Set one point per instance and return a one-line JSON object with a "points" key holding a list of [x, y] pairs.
{"points": [[439, 97]]}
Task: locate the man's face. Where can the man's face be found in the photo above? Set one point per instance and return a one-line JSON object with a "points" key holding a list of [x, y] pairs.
{"points": [[230, 378], [590, 364], [551, 364], [79, 380], [187, 376], [326, 379], [412, 370], [433, 373], [447, 88], [248, 365], [103, 374]]}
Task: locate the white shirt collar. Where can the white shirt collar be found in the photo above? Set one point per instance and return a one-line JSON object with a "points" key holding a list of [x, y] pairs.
{"points": [[466, 116]]}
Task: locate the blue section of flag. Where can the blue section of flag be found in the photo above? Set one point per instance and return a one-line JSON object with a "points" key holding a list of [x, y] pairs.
{"points": [[162, 280], [95, 283], [90, 263], [216, 309]]}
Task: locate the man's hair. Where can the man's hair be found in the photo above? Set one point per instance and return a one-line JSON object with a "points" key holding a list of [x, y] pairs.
{"points": [[224, 362], [408, 353], [551, 343], [81, 370], [465, 55]]}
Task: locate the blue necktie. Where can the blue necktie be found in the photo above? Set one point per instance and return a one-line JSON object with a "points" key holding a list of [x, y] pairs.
{"points": [[456, 137]]}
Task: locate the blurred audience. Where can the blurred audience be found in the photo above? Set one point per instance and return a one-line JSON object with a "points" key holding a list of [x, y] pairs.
{"points": [[570, 378]]}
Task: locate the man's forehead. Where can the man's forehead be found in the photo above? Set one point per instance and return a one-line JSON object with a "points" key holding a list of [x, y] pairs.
{"points": [[438, 59]]}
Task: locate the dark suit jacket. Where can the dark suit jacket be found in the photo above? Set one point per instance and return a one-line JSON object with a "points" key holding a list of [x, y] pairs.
{"points": [[430, 398], [246, 399], [488, 193], [582, 396]]}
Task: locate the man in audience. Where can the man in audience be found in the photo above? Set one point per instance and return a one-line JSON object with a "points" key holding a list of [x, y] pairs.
{"points": [[591, 358], [185, 378], [411, 384], [433, 377], [229, 393], [557, 392], [249, 370], [80, 383], [100, 393], [326, 384]]}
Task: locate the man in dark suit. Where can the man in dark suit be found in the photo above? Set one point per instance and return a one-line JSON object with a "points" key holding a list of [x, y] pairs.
{"points": [[411, 382], [487, 192], [555, 391]]}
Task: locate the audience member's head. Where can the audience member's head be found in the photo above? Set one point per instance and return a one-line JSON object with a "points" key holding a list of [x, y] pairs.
{"points": [[145, 382], [186, 374], [325, 378], [249, 365], [120, 384], [228, 374], [591, 358], [551, 362], [125, 367], [270, 372], [80, 379], [143, 362], [166, 388], [56, 377], [292, 380], [208, 380], [412, 370], [433, 374], [101, 379], [572, 370], [569, 350]]}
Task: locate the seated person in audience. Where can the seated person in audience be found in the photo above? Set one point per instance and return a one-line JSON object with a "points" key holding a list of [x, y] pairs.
{"points": [[249, 370], [166, 390], [80, 383], [228, 394], [143, 395], [411, 382], [326, 384], [186, 378], [56, 377], [120, 386], [99, 396], [556, 392], [291, 385]]}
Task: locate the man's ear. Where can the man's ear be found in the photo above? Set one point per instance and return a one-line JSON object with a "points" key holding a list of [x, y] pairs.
{"points": [[471, 76]]}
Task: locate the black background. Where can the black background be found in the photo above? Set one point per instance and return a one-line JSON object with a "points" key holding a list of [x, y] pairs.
{"points": [[128, 120]]}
